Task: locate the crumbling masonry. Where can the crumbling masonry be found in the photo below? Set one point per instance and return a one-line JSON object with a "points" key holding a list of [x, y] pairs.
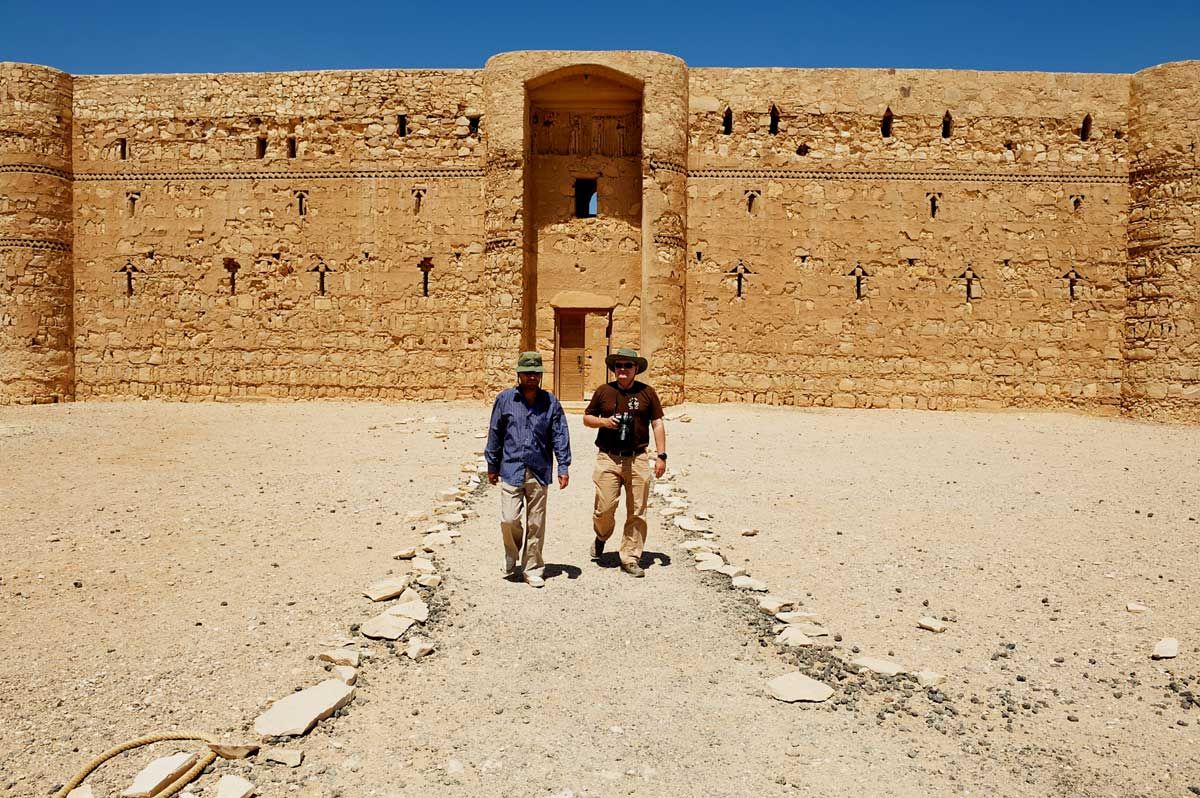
{"points": [[848, 238]]}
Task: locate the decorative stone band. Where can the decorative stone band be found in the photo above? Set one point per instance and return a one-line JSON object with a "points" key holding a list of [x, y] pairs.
{"points": [[850, 174], [496, 244], [34, 169], [1145, 248], [44, 244], [675, 242], [432, 173], [1163, 171], [669, 166]]}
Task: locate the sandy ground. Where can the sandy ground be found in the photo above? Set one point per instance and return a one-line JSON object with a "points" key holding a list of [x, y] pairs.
{"points": [[217, 545]]}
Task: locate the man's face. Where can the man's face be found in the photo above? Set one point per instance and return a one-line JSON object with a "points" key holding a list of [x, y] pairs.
{"points": [[529, 380], [626, 370]]}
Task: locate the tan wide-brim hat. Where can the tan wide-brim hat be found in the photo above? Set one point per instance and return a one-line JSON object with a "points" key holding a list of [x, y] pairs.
{"points": [[627, 354]]}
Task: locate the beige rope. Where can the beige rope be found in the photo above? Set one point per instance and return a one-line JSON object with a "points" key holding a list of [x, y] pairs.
{"points": [[205, 760]]}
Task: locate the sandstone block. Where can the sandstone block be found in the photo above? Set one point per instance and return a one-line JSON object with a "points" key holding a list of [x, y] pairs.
{"points": [[158, 774], [297, 713], [234, 787], [386, 627], [387, 588], [793, 687]]}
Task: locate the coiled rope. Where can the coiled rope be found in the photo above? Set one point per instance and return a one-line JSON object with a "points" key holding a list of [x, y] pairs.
{"points": [[205, 760]]}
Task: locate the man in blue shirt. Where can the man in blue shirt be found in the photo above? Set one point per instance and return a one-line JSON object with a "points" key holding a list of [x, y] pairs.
{"points": [[528, 427]]}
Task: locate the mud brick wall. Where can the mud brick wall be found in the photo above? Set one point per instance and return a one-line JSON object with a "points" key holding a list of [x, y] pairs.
{"points": [[35, 234], [214, 209], [816, 193]]}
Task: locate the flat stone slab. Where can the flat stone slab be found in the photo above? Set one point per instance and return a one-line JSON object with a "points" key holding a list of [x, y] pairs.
{"points": [[451, 518], [385, 626], [158, 774], [423, 565], [689, 524], [82, 791], [748, 583], [810, 629], [732, 570], [931, 624], [773, 605], [1167, 648], [299, 712], [341, 656], [417, 610], [793, 687], [707, 554], [797, 616], [876, 665], [696, 544], [429, 580], [418, 648], [1136, 607], [791, 636], [284, 756], [346, 673], [431, 542], [405, 554], [234, 787], [387, 589], [709, 565]]}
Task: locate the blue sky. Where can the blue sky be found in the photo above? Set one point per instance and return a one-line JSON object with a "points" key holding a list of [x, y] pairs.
{"points": [[261, 35]]}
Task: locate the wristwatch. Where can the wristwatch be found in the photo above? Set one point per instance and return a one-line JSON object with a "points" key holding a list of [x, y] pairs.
{"points": [[662, 456]]}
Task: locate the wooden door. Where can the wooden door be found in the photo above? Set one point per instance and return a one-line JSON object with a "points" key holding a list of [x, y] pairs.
{"points": [[596, 333], [571, 366]]}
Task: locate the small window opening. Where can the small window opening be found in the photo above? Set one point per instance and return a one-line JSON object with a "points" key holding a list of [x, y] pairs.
{"points": [[321, 270], [128, 270], [425, 266], [473, 124], [232, 267], [740, 272], [1073, 278], [1076, 202], [885, 125], [131, 202], [1118, 134], [402, 125], [752, 200], [803, 150], [859, 274], [302, 203], [1085, 128], [774, 120], [934, 199], [418, 195], [970, 278], [261, 151], [586, 197], [123, 149], [947, 125], [699, 256], [727, 122], [1010, 146], [291, 146]]}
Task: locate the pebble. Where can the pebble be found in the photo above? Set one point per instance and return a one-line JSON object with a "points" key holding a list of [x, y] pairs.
{"points": [[405, 554], [749, 533], [929, 623]]}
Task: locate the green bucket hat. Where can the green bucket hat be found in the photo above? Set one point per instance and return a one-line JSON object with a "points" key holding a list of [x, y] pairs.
{"points": [[626, 353], [530, 361]]}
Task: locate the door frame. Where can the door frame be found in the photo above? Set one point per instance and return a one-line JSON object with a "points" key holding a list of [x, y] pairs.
{"points": [[607, 312]]}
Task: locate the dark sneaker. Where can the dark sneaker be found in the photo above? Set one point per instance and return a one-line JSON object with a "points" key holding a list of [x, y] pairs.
{"points": [[633, 569], [596, 549]]}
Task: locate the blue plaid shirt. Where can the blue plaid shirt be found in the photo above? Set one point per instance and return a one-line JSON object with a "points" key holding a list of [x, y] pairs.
{"points": [[523, 435]]}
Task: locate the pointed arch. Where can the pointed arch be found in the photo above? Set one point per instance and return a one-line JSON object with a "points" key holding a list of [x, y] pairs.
{"points": [[727, 121], [947, 125], [774, 120], [1085, 128], [885, 124]]}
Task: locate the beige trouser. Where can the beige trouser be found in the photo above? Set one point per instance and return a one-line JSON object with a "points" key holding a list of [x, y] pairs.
{"points": [[529, 497], [611, 474]]}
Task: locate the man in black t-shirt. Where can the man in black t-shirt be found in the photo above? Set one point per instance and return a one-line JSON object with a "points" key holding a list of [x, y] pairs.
{"points": [[625, 412]]}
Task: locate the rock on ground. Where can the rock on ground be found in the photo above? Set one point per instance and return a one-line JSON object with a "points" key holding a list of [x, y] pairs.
{"points": [[792, 687], [158, 774], [299, 712]]}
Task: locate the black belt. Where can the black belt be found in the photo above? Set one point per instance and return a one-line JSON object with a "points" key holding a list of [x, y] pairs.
{"points": [[624, 452]]}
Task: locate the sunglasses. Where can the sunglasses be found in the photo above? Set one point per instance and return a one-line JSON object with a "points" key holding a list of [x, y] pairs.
{"points": [[624, 365]]}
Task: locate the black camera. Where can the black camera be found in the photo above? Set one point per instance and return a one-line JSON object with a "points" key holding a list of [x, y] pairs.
{"points": [[625, 427]]}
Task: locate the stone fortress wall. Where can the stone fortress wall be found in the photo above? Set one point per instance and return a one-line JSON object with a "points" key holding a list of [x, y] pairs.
{"points": [[855, 238]]}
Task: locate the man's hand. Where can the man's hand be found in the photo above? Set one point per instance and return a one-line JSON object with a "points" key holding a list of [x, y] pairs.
{"points": [[660, 468], [492, 478], [611, 423], [563, 479]]}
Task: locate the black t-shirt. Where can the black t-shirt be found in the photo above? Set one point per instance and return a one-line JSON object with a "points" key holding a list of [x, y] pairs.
{"points": [[640, 401]]}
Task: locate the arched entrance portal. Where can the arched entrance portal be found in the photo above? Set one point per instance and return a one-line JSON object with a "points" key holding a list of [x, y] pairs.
{"points": [[583, 184]]}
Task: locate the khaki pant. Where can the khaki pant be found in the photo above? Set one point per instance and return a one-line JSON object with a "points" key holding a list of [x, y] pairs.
{"points": [[611, 474], [529, 497]]}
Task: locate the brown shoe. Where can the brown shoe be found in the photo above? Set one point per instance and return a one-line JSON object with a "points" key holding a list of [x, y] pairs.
{"points": [[633, 569]]}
